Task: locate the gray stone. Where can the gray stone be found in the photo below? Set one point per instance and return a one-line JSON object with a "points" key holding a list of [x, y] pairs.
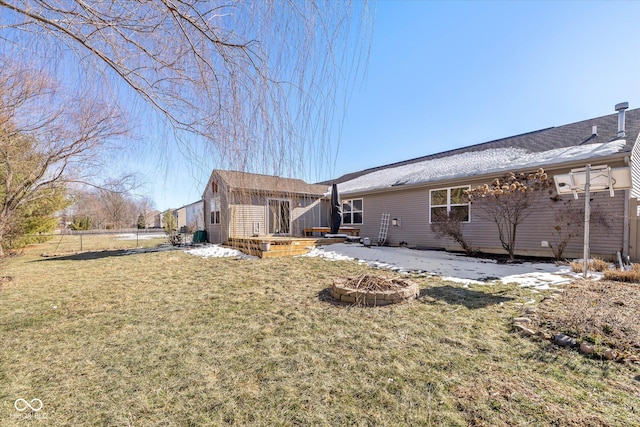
{"points": [[610, 354], [564, 340], [521, 320]]}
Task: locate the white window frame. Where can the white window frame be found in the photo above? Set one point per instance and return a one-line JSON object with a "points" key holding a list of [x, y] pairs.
{"points": [[449, 205], [214, 211], [352, 211]]}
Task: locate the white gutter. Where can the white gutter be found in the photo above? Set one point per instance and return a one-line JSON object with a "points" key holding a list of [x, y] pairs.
{"points": [[465, 179]]}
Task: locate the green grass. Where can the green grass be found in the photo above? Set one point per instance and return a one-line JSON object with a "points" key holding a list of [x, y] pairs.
{"points": [[170, 339]]}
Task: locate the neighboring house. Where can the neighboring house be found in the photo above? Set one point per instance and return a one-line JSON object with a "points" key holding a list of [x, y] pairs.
{"points": [[239, 204], [181, 218], [194, 216], [189, 218], [153, 219], [412, 190]]}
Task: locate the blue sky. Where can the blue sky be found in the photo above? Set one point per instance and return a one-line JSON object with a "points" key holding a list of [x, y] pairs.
{"points": [[442, 75]]}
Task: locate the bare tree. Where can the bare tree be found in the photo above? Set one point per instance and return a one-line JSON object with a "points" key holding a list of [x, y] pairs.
{"points": [[146, 207], [450, 225], [86, 209], [117, 208], [49, 137], [569, 224], [508, 201], [110, 207], [260, 80]]}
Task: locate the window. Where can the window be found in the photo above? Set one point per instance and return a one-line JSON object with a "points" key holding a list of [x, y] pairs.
{"points": [[449, 201], [215, 217], [352, 211], [215, 210]]}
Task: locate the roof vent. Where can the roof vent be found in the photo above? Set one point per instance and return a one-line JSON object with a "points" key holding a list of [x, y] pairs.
{"points": [[620, 109], [594, 130]]}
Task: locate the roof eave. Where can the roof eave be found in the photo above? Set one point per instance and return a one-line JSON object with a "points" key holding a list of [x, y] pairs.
{"points": [[275, 192], [465, 179]]}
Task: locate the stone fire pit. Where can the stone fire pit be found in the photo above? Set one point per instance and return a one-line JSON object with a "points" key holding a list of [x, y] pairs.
{"points": [[369, 290]]}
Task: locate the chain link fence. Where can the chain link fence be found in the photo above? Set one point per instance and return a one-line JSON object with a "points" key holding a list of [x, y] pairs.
{"points": [[93, 240]]}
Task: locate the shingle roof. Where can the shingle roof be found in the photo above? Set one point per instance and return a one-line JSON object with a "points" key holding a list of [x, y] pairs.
{"points": [[570, 135], [268, 183]]}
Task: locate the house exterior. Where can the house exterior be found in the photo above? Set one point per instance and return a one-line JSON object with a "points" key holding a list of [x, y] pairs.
{"points": [[412, 191], [190, 217], [153, 219], [194, 216], [240, 204], [181, 218]]}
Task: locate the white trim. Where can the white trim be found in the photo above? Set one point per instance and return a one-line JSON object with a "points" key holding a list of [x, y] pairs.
{"points": [[449, 205], [361, 211]]}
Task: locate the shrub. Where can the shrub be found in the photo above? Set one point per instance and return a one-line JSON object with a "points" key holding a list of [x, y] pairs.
{"points": [[569, 224], [509, 200], [600, 265], [631, 275], [450, 225], [595, 264]]}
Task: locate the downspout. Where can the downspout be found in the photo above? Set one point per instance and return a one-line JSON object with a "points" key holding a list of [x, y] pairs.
{"points": [[625, 231]]}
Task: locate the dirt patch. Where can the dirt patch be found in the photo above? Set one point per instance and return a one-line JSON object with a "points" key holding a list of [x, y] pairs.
{"points": [[600, 313]]}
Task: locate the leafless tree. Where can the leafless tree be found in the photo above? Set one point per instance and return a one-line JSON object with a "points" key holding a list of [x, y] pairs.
{"points": [[569, 224], [110, 207], [118, 209], [260, 81], [508, 201], [145, 206], [450, 225], [49, 136]]}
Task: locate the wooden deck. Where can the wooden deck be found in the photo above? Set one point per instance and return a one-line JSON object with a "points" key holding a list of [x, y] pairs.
{"points": [[277, 246], [352, 231]]}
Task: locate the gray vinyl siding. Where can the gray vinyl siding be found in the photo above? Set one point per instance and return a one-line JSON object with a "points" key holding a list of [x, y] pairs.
{"points": [[243, 211], [244, 217], [216, 233], [411, 208], [635, 169], [605, 241], [306, 212]]}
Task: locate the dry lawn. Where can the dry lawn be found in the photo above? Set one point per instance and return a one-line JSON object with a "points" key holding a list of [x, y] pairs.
{"points": [[603, 313], [65, 244], [168, 339]]}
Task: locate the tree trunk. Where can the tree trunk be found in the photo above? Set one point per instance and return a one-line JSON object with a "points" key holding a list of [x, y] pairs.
{"points": [[512, 241], [3, 223]]}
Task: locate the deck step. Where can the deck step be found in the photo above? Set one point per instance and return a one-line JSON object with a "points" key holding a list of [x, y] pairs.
{"points": [[283, 252], [267, 247]]}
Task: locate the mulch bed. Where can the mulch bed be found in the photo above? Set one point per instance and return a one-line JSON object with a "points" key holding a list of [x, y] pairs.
{"points": [[602, 313]]}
